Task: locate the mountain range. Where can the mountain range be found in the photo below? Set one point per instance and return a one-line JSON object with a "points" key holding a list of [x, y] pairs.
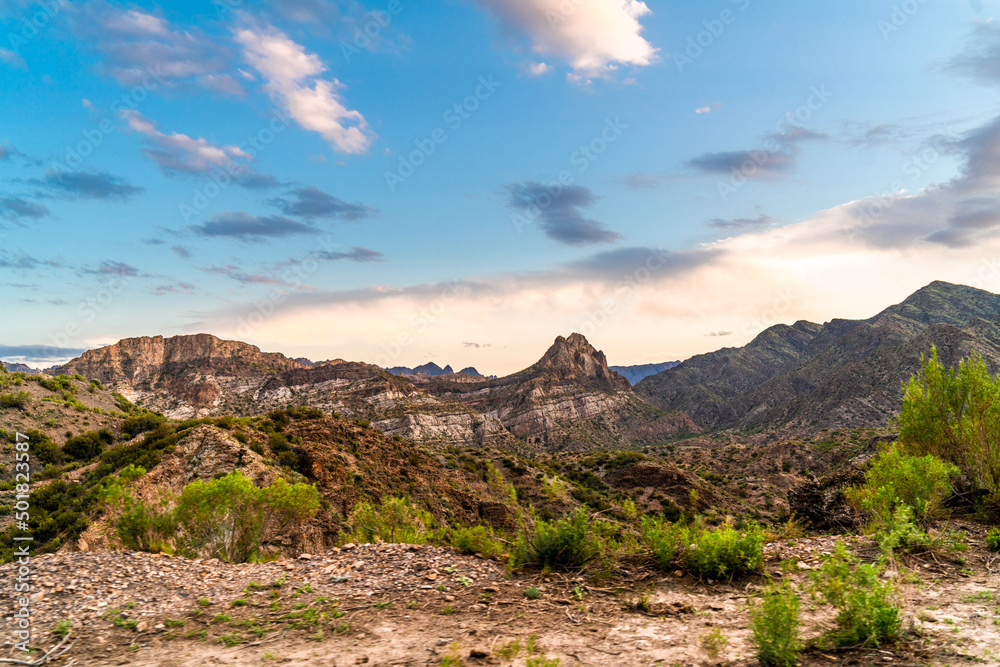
{"points": [[843, 373]]}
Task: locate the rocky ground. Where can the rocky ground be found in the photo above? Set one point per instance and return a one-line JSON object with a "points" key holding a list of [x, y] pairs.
{"points": [[412, 605]]}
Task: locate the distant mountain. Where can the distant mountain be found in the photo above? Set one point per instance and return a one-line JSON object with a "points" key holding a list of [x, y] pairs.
{"points": [[432, 370], [634, 374], [845, 373], [20, 368]]}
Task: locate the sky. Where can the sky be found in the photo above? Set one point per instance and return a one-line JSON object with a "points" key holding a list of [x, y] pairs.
{"points": [[461, 181]]}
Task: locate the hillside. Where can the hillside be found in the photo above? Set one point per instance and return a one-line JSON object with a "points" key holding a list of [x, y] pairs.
{"points": [[568, 399], [843, 374]]}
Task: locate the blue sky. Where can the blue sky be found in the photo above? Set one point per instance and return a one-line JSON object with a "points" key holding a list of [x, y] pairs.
{"points": [[463, 180]]}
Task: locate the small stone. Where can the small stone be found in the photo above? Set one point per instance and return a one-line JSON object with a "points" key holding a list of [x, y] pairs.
{"points": [[449, 598], [432, 576], [928, 616], [478, 654], [305, 557], [159, 626], [678, 574], [349, 546], [142, 626], [802, 565]]}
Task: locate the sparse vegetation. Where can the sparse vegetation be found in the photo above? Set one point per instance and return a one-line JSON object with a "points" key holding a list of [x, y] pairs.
{"points": [[867, 611], [774, 623], [396, 519], [565, 543]]}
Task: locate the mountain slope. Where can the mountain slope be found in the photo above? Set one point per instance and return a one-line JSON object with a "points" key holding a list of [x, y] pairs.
{"points": [[568, 399], [846, 373]]}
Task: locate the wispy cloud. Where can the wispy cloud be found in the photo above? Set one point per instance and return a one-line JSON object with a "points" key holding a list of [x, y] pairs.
{"points": [[559, 212], [87, 185], [181, 251], [355, 254], [247, 227], [12, 58], [39, 351], [110, 267], [741, 223], [140, 47], [595, 36], [311, 202], [179, 287], [775, 158], [178, 152], [293, 80], [17, 208], [239, 275]]}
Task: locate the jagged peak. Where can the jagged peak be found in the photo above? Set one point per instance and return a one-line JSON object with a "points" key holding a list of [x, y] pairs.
{"points": [[575, 359]]}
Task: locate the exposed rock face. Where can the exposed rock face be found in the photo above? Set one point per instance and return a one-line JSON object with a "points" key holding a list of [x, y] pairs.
{"points": [[141, 360], [20, 368], [568, 399]]}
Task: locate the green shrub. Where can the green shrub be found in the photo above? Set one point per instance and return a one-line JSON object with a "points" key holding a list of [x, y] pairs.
{"points": [[993, 539], [43, 448], [226, 517], [88, 446], [897, 479], [954, 414], [477, 540], [12, 400], [666, 541], [143, 423], [566, 543], [867, 612], [774, 622], [395, 520], [725, 552]]}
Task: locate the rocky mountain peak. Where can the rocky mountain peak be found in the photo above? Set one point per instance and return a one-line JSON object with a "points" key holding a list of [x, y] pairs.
{"points": [[575, 359], [140, 359]]}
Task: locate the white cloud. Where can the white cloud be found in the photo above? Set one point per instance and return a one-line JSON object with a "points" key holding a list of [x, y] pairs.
{"points": [[292, 76], [595, 36], [538, 69], [179, 152]]}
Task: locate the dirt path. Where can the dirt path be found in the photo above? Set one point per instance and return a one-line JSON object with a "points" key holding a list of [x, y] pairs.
{"points": [[402, 605]]}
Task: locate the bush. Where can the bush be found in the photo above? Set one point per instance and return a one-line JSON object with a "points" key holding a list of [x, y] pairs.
{"points": [[726, 552], [395, 520], [867, 613], [565, 543], [12, 400], [774, 622], [993, 539], [133, 426], [476, 540], [43, 448], [954, 414], [88, 446], [227, 517], [667, 541], [897, 479]]}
